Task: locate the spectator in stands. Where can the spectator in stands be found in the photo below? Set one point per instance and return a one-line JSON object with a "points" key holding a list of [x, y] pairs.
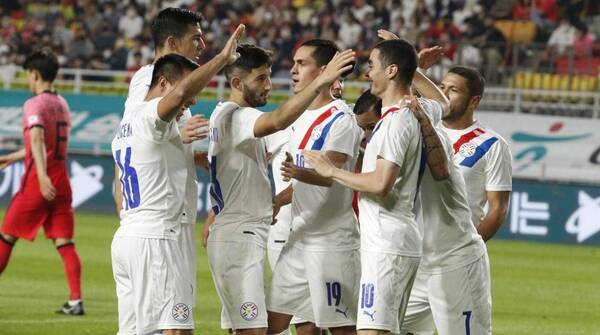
{"points": [[350, 31], [545, 13], [492, 43], [583, 41], [361, 9], [131, 24], [81, 47], [522, 10], [61, 33], [562, 38]]}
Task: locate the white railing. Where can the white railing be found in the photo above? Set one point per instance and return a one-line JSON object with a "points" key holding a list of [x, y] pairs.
{"points": [[566, 103]]}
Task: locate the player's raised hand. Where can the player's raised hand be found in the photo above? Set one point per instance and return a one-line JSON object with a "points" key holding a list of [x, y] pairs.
{"points": [[411, 102], [46, 188], [319, 162], [341, 63], [196, 128], [387, 35], [229, 50], [429, 56], [288, 168]]}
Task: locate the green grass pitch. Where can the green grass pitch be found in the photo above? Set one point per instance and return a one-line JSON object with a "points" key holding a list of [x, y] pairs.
{"points": [[537, 288]]}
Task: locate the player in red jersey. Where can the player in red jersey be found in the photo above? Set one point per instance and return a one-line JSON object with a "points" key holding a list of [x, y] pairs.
{"points": [[44, 197]]}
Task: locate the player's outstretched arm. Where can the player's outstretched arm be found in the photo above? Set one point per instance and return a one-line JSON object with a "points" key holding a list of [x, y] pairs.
{"points": [[288, 112], [7, 160], [38, 151], [290, 170], [498, 207], [378, 182], [437, 160], [191, 85]]}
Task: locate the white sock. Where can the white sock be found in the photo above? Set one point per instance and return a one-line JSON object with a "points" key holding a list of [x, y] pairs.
{"points": [[74, 302]]}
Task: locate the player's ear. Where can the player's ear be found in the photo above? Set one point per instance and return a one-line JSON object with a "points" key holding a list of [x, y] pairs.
{"points": [[236, 82], [474, 102], [171, 42], [391, 71]]}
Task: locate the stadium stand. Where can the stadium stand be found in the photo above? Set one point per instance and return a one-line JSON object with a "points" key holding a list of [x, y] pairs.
{"points": [[115, 35]]}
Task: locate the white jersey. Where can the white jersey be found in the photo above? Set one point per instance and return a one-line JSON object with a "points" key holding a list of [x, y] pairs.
{"points": [[138, 89], [484, 159], [277, 145], [240, 187], [322, 217], [388, 223], [149, 154], [450, 240]]}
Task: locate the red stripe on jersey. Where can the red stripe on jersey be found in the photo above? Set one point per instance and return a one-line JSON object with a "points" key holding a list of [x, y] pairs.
{"points": [[467, 137], [317, 122], [391, 110]]}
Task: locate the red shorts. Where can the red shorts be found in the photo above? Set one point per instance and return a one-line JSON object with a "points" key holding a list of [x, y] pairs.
{"points": [[28, 211]]}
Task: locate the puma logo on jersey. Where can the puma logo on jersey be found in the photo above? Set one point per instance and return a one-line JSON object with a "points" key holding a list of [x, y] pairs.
{"points": [[371, 315], [345, 312]]}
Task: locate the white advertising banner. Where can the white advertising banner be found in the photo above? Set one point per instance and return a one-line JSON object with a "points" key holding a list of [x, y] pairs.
{"points": [[549, 147]]}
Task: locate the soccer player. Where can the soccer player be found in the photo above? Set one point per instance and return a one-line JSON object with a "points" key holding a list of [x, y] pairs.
{"points": [[175, 31], [482, 154], [367, 112], [44, 198], [451, 291], [391, 238], [240, 188], [320, 259], [150, 270]]}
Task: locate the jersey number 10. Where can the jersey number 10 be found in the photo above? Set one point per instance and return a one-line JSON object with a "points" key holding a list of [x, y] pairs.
{"points": [[129, 179]]}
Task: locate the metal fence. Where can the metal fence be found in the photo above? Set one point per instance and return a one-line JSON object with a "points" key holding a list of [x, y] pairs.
{"points": [[496, 98]]}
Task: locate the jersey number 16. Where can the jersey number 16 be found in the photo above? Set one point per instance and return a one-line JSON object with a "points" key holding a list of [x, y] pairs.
{"points": [[129, 179]]}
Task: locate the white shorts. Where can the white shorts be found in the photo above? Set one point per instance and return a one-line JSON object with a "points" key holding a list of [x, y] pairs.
{"points": [[385, 286], [238, 273], [187, 240], [454, 302], [319, 287], [153, 287]]}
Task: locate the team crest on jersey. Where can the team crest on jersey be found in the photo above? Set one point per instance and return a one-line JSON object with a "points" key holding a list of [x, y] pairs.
{"points": [[249, 311], [467, 149], [316, 133], [181, 312], [33, 119]]}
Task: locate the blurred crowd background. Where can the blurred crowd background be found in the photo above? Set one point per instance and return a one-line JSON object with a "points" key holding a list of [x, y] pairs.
{"points": [[541, 35]]}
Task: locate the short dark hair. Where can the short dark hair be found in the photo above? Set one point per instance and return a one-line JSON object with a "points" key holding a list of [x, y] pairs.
{"points": [[367, 102], [475, 81], [172, 67], [399, 53], [324, 50], [172, 22], [43, 61], [251, 57]]}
